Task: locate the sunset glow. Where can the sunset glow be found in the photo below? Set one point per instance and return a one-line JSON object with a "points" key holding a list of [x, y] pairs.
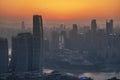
{"points": [[60, 9]]}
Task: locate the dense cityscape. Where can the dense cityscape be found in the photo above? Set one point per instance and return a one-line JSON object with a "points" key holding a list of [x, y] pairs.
{"points": [[61, 50]]}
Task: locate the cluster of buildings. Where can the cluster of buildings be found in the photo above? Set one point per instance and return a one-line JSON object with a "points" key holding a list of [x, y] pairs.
{"points": [[27, 50], [95, 43], [72, 39]]}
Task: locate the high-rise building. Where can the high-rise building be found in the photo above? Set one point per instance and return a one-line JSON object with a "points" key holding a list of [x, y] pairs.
{"points": [[109, 27], [93, 26], [73, 36], [37, 43], [22, 53], [63, 39], [75, 28], [46, 45], [74, 31], [54, 40], [3, 55]]}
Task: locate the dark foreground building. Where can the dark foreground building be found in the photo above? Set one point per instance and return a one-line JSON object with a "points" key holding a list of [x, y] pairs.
{"points": [[22, 53], [3, 55], [27, 49]]}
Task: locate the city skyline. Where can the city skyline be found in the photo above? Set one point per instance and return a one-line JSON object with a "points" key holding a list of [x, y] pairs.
{"points": [[60, 49], [72, 38]]}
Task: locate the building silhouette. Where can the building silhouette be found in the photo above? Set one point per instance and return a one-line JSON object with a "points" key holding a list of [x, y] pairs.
{"points": [[63, 38], [75, 29], [46, 45], [37, 43], [109, 27], [3, 55], [73, 36], [22, 53], [93, 26], [23, 26], [27, 49], [54, 40]]}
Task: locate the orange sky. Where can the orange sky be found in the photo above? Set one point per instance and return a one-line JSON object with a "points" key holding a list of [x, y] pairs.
{"points": [[60, 9]]}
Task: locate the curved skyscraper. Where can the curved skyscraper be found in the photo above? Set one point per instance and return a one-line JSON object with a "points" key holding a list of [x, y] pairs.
{"points": [[37, 43]]}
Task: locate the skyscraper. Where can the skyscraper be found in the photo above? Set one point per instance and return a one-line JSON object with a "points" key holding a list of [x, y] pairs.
{"points": [[37, 43], [93, 26], [73, 35], [63, 39], [3, 55], [22, 53], [54, 40], [75, 29], [109, 27]]}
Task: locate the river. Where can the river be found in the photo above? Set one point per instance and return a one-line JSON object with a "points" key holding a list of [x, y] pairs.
{"points": [[95, 75]]}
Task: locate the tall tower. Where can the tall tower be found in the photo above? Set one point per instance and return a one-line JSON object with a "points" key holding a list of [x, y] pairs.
{"points": [[3, 55], [73, 35], [37, 43], [93, 26]]}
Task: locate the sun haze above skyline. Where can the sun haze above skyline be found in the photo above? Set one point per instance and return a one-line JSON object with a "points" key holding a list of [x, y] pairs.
{"points": [[60, 9]]}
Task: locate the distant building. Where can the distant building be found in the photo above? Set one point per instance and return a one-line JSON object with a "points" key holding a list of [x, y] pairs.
{"points": [[62, 39], [46, 45], [73, 36], [109, 27], [54, 40], [37, 43], [101, 31], [23, 26], [93, 26], [75, 29], [22, 53], [84, 29], [3, 55]]}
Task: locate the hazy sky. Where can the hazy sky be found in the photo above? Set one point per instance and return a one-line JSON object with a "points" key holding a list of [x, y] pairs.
{"points": [[59, 10]]}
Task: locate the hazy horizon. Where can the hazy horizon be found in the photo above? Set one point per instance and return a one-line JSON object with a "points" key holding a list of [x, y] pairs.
{"points": [[49, 24]]}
